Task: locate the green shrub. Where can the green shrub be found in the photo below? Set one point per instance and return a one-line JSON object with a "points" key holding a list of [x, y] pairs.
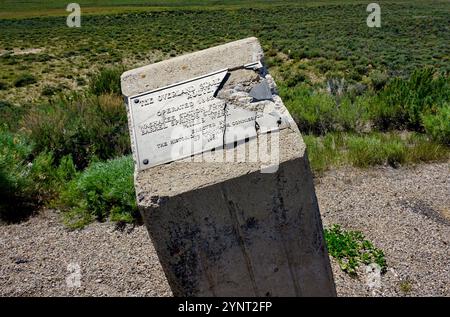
{"points": [[26, 183], [107, 81], [403, 102], [320, 113], [3, 85], [15, 202], [313, 112], [104, 190], [352, 116], [438, 125], [378, 80], [85, 127], [323, 152], [351, 249], [24, 80], [364, 152], [316, 113], [48, 179], [295, 78], [356, 90], [395, 152], [52, 90], [10, 115]]}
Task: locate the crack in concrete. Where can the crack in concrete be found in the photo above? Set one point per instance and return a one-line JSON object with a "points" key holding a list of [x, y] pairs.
{"points": [[224, 124]]}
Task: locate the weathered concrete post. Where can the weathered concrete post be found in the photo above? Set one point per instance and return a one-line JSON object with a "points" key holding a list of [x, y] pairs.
{"points": [[222, 178]]}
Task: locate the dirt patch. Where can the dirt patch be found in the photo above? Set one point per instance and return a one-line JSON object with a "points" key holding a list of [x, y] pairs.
{"points": [[18, 51]]}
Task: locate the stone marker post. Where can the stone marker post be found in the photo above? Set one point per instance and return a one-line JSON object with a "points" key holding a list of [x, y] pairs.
{"points": [[222, 178]]}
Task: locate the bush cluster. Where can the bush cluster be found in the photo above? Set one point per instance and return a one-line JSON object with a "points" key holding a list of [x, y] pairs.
{"points": [[417, 103], [51, 153], [24, 80], [10, 116], [105, 190], [87, 127], [369, 149], [26, 182], [404, 102], [438, 125]]}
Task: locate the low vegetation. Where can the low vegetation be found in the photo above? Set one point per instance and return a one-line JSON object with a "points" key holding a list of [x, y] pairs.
{"points": [[107, 81], [417, 103], [105, 190], [87, 127], [27, 181], [394, 149], [351, 249], [24, 80], [437, 125]]}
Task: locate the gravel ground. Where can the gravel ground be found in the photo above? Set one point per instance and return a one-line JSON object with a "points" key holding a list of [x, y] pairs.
{"points": [[405, 212], [39, 257]]}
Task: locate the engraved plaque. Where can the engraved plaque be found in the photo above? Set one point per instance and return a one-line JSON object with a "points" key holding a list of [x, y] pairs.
{"points": [[186, 118]]}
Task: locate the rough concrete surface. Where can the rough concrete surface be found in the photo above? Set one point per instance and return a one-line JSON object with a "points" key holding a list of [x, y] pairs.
{"points": [[184, 67]]}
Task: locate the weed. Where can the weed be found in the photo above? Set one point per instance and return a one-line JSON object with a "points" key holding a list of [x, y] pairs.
{"points": [[403, 102], [406, 286], [350, 249]]}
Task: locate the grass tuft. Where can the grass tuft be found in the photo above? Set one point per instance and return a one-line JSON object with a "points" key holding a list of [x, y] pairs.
{"points": [[107, 81]]}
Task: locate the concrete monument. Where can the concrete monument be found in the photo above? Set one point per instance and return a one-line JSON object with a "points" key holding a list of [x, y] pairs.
{"points": [[222, 179]]}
